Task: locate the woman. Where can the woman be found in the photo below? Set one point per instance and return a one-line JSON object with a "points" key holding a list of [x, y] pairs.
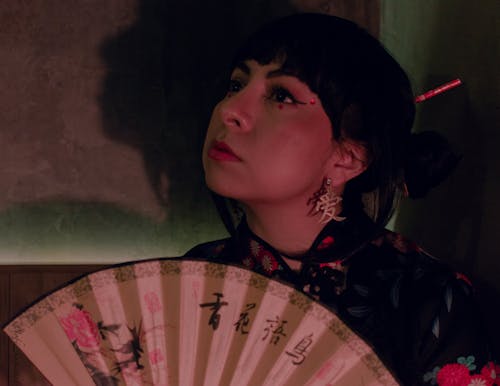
{"points": [[313, 142]]}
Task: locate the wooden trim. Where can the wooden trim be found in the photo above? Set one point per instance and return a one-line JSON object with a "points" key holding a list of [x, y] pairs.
{"points": [[20, 285], [83, 268]]}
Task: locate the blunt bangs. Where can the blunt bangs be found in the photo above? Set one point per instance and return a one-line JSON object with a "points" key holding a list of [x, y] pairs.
{"points": [[364, 92], [327, 53]]}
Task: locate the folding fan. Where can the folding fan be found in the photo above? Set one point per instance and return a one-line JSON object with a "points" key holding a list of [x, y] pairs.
{"points": [[183, 322]]}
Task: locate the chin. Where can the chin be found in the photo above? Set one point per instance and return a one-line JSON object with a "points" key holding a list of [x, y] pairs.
{"points": [[222, 188], [228, 188], [219, 180]]}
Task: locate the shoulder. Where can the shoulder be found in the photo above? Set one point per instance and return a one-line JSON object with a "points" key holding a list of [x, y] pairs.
{"points": [[430, 285], [444, 325], [395, 251], [392, 262], [208, 250]]}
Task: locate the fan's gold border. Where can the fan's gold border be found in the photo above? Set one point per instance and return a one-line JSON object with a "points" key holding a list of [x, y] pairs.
{"points": [[174, 267]]}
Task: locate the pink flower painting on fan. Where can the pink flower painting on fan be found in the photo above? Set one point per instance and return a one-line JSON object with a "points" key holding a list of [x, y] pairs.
{"points": [[156, 356], [152, 302], [80, 327]]}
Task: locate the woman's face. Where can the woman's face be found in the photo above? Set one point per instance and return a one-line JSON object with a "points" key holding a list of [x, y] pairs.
{"points": [[269, 140]]}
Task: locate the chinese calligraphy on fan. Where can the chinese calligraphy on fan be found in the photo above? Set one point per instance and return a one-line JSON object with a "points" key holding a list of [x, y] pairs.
{"points": [[244, 320], [215, 307], [273, 331]]}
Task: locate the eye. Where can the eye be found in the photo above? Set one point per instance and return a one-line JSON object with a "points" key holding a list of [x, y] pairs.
{"points": [[234, 86], [282, 95]]}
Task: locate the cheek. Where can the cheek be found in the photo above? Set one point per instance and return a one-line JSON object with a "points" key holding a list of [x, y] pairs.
{"points": [[307, 144], [295, 158]]}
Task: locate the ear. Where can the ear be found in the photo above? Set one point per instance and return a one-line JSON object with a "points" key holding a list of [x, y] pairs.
{"points": [[348, 160]]}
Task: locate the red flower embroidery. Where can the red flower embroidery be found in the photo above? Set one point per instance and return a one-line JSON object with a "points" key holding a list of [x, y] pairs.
{"points": [[333, 264], [492, 372], [479, 380], [378, 241], [457, 374], [152, 302], [453, 375], [79, 326], [218, 249], [268, 262], [402, 244], [248, 262], [255, 248], [326, 242]]}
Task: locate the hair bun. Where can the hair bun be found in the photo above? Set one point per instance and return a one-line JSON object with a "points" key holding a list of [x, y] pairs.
{"points": [[429, 160]]}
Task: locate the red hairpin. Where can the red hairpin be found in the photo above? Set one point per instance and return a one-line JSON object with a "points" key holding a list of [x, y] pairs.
{"points": [[438, 90]]}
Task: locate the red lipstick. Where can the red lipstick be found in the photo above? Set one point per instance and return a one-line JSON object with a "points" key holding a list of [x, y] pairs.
{"points": [[220, 151]]}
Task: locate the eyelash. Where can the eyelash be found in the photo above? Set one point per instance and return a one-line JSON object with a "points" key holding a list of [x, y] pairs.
{"points": [[276, 93], [233, 84]]}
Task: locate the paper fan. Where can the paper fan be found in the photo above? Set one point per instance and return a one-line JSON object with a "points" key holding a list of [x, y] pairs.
{"points": [[183, 322]]}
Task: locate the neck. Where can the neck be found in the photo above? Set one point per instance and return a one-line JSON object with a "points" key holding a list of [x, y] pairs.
{"points": [[288, 228]]}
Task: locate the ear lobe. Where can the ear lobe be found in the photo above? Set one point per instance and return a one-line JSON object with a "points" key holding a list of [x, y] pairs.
{"points": [[348, 161]]}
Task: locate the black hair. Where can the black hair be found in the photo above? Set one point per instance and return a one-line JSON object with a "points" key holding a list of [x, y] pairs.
{"points": [[366, 95]]}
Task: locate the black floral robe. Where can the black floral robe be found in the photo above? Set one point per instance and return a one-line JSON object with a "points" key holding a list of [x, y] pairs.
{"points": [[418, 314]]}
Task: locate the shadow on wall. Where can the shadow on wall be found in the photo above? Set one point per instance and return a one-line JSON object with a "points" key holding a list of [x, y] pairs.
{"points": [[165, 74], [158, 67]]}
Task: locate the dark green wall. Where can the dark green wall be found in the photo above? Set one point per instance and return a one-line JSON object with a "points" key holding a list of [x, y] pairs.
{"points": [[436, 41]]}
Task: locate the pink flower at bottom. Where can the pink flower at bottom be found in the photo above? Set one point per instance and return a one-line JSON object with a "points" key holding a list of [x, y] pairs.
{"points": [[492, 372], [480, 380], [453, 375]]}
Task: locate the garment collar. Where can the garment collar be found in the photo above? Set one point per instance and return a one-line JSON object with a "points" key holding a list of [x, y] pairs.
{"points": [[336, 242]]}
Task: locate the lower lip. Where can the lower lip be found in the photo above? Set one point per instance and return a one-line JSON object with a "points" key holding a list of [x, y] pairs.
{"points": [[220, 155]]}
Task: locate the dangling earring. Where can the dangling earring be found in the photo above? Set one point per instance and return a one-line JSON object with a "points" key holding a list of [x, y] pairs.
{"points": [[325, 201]]}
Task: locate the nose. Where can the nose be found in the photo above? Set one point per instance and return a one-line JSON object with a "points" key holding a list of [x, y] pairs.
{"points": [[235, 112]]}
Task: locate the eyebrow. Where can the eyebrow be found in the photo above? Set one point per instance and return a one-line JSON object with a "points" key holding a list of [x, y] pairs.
{"points": [[271, 74], [243, 67]]}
